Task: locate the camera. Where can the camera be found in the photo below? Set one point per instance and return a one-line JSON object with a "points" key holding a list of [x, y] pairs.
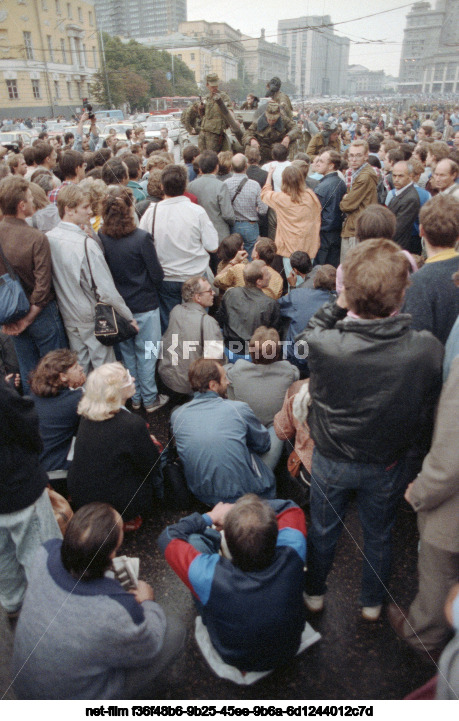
{"points": [[88, 107]]}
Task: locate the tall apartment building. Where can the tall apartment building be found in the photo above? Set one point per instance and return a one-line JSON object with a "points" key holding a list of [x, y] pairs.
{"points": [[264, 60], [140, 18], [430, 53], [318, 58], [49, 54]]}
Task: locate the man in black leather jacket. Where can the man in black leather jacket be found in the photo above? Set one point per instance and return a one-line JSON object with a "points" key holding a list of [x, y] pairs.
{"points": [[374, 384]]}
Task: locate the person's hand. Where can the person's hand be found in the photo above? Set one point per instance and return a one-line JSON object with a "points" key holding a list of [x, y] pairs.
{"points": [[271, 169], [84, 117], [239, 257], [135, 324], [254, 143], [291, 279], [218, 513], [342, 302], [408, 493], [14, 378], [286, 141], [143, 592], [15, 328]]}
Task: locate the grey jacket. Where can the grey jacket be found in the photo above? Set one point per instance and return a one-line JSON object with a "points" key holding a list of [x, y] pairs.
{"points": [[214, 197], [187, 322], [435, 492], [71, 276]]}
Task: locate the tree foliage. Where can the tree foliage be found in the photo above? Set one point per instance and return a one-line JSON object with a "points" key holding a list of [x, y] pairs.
{"points": [[137, 73]]}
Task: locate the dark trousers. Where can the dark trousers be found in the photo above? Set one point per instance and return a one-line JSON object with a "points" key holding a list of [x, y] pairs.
{"points": [[330, 248]]}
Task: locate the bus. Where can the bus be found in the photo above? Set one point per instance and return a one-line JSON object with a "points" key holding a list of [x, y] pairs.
{"points": [[164, 106]]}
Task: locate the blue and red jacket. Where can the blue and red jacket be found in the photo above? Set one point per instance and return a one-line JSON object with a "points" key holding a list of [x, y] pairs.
{"points": [[254, 618]]}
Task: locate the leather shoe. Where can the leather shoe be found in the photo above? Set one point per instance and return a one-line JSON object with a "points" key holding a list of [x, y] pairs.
{"points": [[396, 616]]}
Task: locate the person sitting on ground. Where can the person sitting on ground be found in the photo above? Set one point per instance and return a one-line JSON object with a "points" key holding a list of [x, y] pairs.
{"points": [[230, 253], [262, 383], [197, 335], [252, 612], [112, 643], [219, 441], [231, 275], [115, 459], [56, 387], [243, 310]]}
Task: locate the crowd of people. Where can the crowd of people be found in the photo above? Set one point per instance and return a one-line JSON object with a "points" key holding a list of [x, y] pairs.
{"points": [[295, 314]]}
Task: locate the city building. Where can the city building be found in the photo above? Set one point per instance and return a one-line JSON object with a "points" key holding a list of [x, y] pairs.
{"points": [[430, 53], [264, 60], [200, 57], [361, 81], [140, 18], [49, 53], [318, 58], [219, 35]]}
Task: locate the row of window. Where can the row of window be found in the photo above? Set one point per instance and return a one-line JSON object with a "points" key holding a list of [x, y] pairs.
{"points": [[78, 51], [13, 92], [58, 8]]}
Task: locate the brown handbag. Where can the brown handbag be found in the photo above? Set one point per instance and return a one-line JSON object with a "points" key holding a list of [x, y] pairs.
{"points": [[294, 464]]}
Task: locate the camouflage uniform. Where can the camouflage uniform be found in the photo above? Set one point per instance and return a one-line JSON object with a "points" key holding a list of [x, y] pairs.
{"points": [[284, 102], [213, 125], [317, 144], [190, 118], [267, 135]]}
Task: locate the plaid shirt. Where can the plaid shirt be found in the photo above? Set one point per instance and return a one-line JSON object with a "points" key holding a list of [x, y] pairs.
{"points": [[248, 204], [52, 195]]}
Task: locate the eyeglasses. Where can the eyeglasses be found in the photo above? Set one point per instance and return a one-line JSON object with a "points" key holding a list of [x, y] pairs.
{"points": [[202, 292], [129, 381]]}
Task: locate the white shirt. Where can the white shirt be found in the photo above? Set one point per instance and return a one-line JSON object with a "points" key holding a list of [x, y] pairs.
{"points": [[277, 175], [183, 234], [170, 145]]}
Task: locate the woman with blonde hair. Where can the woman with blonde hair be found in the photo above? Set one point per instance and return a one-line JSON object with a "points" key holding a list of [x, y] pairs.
{"points": [[115, 459], [298, 213], [96, 190]]}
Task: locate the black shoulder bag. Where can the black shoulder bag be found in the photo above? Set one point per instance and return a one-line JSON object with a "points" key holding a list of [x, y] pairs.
{"points": [[109, 326]]}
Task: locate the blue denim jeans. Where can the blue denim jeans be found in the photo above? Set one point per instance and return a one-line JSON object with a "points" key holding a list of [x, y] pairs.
{"points": [[21, 534], [250, 233], [44, 334], [170, 295], [378, 489], [133, 356]]}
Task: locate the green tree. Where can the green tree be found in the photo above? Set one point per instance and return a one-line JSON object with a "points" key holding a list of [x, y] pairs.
{"points": [[137, 73]]}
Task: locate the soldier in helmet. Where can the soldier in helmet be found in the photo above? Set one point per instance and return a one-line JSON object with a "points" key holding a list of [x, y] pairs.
{"points": [[274, 92], [328, 138], [271, 127], [213, 124]]}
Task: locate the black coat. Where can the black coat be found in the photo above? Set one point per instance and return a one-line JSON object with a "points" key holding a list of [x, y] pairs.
{"points": [[406, 208], [374, 385], [115, 462], [22, 479]]}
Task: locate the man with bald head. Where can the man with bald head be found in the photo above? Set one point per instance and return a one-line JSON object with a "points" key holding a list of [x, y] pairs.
{"points": [[246, 200], [445, 176], [404, 202]]}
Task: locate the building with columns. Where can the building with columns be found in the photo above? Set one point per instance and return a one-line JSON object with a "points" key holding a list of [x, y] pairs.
{"points": [[49, 53], [264, 60]]}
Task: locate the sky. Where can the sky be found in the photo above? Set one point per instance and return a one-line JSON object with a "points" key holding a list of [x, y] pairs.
{"points": [[249, 16]]}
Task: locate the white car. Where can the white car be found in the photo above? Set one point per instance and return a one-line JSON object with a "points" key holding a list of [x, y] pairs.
{"points": [[153, 129]]}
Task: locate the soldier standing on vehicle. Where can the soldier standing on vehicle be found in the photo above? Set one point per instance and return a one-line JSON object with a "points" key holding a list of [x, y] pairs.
{"points": [[271, 127], [274, 92], [213, 124]]}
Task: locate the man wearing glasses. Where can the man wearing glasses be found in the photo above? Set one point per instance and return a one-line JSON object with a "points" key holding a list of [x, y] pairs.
{"points": [[361, 193]]}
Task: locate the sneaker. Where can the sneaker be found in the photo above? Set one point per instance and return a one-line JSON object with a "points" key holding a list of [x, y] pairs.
{"points": [[136, 406], [160, 401], [371, 613], [314, 603]]}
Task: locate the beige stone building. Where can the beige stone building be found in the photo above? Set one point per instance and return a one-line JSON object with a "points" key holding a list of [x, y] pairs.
{"points": [[49, 53], [265, 60]]}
